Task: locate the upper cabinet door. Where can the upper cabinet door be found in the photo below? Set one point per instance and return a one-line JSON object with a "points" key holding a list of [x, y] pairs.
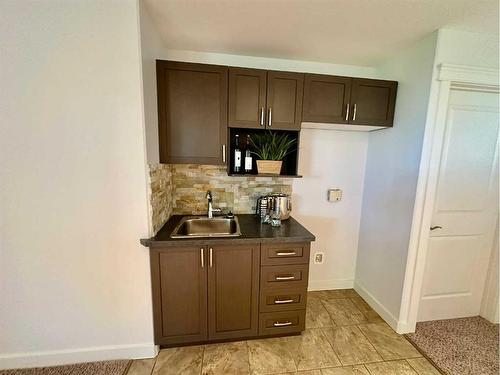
{"points": [[326, 99], [247, 98], [233, 290], [284, 100], [372, 102], [192, 112]]}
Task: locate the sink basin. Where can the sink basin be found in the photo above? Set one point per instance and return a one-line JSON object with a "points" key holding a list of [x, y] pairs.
{"points": [[202, 226]]}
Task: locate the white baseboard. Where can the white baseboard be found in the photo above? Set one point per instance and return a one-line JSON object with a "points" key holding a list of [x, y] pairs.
{"points": [[377, 306], [63, 357], [330, 284]]}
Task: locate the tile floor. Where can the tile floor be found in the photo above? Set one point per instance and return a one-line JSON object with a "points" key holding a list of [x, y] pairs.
{"points": [[343, 336]]}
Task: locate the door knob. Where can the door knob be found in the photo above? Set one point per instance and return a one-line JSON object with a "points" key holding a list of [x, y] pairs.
{"points": [[436, 227]]}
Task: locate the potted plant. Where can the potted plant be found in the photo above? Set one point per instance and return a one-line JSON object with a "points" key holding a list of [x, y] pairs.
{"points": [[271, 148]]}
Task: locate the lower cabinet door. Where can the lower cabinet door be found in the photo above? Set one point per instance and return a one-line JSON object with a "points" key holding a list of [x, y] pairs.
{"points": [[233, 291], [179, 283]]}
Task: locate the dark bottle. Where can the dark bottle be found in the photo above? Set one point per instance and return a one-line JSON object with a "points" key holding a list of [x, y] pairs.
{"points": [[248, 156], [237, 154]]}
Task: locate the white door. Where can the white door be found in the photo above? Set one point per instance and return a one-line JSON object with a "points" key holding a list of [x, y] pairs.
{"points": [[465, 209]]}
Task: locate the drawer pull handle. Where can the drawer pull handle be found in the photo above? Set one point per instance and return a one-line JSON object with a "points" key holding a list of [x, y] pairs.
{"points": [[285, 253], [278, 301], [284, 324], [285, 277]]}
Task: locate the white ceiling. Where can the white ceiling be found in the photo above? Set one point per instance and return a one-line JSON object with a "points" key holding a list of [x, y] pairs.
{"points": [[358, 32]]}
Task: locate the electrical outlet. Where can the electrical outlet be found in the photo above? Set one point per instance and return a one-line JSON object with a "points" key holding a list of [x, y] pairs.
{"points": [[318, 258]]}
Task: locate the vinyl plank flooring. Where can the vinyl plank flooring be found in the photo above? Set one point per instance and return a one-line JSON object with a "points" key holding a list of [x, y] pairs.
{"points": [[388, 343], [351, 346]]}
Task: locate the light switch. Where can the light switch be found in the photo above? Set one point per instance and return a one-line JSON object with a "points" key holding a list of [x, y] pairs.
{"points": [[334, 195]]}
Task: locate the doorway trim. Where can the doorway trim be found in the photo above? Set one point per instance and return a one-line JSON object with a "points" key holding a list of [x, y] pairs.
{"points": [[449, 76]]}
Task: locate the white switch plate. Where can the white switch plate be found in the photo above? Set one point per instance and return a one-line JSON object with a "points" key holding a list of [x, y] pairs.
{"points": [[334, 195], [319, 257]]}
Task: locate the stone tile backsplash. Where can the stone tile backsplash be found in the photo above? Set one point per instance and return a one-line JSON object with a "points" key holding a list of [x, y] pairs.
{"points": [[181, 189]]}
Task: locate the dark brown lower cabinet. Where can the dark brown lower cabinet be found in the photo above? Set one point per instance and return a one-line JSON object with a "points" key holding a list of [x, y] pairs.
{"points": [[179, 286], [233, 291], [212, 292]]}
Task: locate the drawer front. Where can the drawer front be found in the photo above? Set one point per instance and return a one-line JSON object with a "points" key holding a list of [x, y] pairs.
{"points": [[283, 299], [275, 323], [285, 253], [280, 277]]}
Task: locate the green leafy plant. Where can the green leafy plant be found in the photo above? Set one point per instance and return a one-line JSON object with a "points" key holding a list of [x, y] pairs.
{"points": [[271, 145]]}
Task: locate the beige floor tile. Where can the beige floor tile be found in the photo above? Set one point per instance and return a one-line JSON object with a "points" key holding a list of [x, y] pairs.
{"points": [[343, 311], [270, 356], [316, 315], [311, 350], [349, 370], [390, 368], [142, 366], [370, 314], [185, 360], [227, 358], [388, 343], [309, 372], [351, 346], [422, 366]]}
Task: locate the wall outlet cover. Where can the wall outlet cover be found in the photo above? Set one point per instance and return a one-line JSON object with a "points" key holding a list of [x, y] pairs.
{"points": [[318, 258]]}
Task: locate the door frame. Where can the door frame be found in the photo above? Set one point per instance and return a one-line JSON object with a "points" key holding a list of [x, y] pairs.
{"points": [[448, 76]]}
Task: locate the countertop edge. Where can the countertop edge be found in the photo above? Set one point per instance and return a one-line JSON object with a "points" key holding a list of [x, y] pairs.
{"points": [[303, 235]]}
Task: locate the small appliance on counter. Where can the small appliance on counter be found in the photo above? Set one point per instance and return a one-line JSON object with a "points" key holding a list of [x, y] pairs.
{"points": [[275, 205]]}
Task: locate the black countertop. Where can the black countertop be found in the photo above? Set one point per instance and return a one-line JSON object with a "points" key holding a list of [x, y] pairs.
{"points": [[251, 231]]}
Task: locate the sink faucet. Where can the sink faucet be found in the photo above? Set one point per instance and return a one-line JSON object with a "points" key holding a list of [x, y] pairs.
{"points": [[211, 210]]}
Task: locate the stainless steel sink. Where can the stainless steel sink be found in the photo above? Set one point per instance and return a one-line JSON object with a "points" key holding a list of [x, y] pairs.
{"points": [[202, 226]]}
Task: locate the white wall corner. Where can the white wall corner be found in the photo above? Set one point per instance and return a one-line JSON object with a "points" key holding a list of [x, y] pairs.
{"points": [[330, 284], [79, 355], [376, 305]]}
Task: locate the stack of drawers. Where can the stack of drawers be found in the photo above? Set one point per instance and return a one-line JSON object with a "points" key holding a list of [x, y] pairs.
{"points": [[284, 270]]}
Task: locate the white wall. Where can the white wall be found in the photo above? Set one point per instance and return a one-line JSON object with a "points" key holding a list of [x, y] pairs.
{"points": [[151, 48], [390, 182], [331, 159], [74, 280], [489, 305]]}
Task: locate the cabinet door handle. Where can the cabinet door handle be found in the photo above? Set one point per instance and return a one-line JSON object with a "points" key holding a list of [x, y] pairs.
{"points": [[291, 277], [202, 257], [283, 324], [436, 227], [285, 253], [262, 116], [279, 301], [210, 257], [354, 113], [270, 118], [347, 111], [224, 154]]}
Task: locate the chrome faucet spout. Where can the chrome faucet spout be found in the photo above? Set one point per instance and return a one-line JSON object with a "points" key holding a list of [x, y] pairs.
{"points": [[210, 209]]}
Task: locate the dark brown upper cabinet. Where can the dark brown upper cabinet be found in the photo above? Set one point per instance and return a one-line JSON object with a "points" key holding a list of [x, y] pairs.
{"points": [[247, 98], [192, 112], [326, 98], [344, 100], [373, 102], [233, 291], [261, 99]]}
